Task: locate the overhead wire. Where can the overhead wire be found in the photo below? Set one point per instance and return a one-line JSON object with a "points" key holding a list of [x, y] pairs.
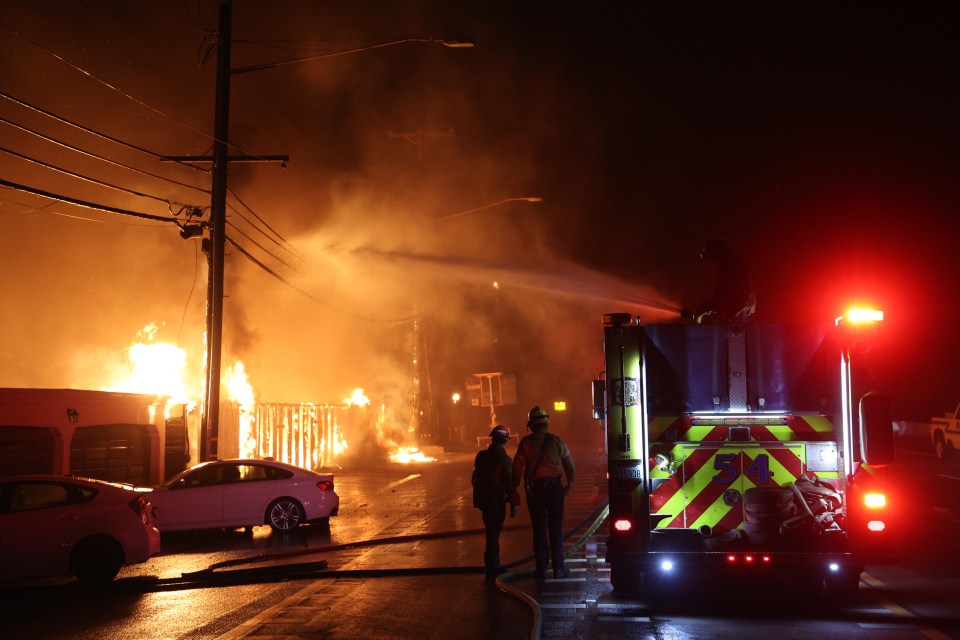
{"points": [[286, 244], [93, 132], [121, 142], [212, 42], [103, 82], [85, 204], [260, 246], [101, 183], [76, 149], [128, 145]]}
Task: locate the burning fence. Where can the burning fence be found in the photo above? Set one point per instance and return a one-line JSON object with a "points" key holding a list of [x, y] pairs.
{"points": [[306, 435]]}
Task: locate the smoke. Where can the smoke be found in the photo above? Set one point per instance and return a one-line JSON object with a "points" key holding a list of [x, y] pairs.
{"points": [[374, 290]]}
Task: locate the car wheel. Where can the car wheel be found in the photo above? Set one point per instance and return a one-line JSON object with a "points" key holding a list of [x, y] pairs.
{"points": [[940, 448], [96, 561], [284, 514]]}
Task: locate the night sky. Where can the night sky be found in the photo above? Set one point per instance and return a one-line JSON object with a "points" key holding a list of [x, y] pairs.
{"points": [[819, 142]]}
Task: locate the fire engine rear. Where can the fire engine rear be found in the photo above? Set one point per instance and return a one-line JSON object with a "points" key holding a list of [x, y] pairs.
{"points": [[744, 447]]}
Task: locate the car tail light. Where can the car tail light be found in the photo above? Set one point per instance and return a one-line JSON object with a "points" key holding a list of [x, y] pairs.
{"points": [[141, 507], [325, 485]]}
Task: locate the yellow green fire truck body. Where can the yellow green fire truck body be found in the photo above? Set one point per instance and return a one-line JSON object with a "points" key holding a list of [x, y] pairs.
{"points": [[744, 447]]}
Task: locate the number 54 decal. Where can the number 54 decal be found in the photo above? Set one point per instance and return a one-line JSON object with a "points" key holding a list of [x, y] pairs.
{"points": [[725, 463]]}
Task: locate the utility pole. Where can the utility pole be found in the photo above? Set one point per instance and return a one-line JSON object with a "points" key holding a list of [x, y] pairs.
{"points": [[218, 230], [215, 248], [421, 138]]}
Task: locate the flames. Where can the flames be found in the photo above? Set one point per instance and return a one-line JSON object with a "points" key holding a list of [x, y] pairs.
{"points": [[357, 399], [156, 368], [160, 368], [241, 394], [406, 455]]}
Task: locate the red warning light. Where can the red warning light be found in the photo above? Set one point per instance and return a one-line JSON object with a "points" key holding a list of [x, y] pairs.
{"points": [[875, 500], [862, 315]]}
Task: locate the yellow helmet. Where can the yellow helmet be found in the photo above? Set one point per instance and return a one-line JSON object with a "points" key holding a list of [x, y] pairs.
{"points": [[537, 418]]}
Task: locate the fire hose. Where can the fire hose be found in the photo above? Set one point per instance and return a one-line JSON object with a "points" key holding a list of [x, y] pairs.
{"points": [[213, 575], [536, 625]]}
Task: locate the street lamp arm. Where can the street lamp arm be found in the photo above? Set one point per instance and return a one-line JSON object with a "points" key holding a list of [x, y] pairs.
{"points": [[455, 44], [487, 206]]}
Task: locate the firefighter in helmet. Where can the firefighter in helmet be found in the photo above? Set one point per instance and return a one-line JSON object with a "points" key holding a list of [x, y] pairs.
{"points": [[492, 492], [541, 462], [733, 295]]}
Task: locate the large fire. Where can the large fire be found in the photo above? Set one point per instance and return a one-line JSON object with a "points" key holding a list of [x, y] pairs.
{"points": [[308, 435]]}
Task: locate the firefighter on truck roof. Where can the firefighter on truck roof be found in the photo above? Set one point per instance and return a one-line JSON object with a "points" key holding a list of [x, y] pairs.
{"points": [[733, 295]]}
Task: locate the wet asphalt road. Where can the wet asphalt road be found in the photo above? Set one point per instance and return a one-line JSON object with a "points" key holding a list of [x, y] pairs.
{"points": [[915, 599]]}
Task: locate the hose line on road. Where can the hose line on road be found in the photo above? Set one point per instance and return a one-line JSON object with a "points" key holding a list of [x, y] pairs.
{"points": [[598, 516], [210, 576], [373, 542]]}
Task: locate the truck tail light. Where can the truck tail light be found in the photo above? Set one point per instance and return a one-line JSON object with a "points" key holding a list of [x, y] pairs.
{"points": [[622, 525], [875, 500]]}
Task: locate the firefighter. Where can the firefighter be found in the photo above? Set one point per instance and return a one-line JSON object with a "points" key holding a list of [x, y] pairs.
{"points": [[733, 295], [492, 492], [541, 462]]}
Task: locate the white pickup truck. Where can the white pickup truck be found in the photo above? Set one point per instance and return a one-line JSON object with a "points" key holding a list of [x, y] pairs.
{"points": [[945, 433]]}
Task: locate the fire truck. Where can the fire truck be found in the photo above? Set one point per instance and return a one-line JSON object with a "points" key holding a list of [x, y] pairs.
{"points": [[745, 447]]}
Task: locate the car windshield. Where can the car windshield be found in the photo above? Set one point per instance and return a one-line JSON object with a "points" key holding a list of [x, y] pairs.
{"points": [[175, 479]]}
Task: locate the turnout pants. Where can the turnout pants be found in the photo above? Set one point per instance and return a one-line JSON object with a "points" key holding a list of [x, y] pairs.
{"points": [[545, 502], [493, 518]]}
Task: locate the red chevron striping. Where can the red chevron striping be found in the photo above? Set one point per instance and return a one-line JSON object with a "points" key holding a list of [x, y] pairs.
{"points": [[732, 519], [708, 494]]}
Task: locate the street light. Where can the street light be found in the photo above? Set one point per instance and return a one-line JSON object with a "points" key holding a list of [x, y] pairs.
{"points": [[487, 206]]}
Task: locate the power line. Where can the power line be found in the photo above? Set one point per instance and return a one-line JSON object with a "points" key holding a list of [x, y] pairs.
{"points": [[99, 157], [276, 275], [122, 143], [286, 245], [103, 82], [104, 136], [260, 246], [309, 295], [92, 180], [84, 203]]}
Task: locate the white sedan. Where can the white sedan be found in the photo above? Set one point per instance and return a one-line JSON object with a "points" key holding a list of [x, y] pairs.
{"points": [[225, 494], [51, 525]]}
